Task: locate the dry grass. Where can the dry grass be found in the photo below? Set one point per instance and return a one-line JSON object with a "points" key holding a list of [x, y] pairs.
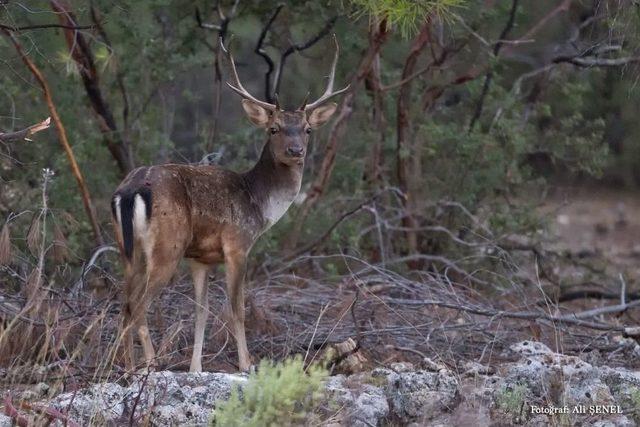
{"points": [[471, 308]]}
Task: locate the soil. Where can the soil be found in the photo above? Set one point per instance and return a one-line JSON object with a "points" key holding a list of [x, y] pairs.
{"points": [[600, 221]]}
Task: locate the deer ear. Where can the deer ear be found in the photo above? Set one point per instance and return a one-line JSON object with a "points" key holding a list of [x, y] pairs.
{"points": [[259, 116], [320, 115]]}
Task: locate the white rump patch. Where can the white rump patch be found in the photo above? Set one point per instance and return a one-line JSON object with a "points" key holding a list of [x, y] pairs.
{"points": [[116, 202], [139, 215], [141, 225]]}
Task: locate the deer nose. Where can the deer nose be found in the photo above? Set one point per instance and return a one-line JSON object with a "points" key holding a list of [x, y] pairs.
{"points": [[295, 151]]}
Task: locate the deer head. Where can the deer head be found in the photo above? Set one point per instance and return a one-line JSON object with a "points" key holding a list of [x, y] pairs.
{"points": [[288, 130]]}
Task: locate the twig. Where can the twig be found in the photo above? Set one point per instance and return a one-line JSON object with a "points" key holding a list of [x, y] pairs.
{"points": [[619, 308], [132, 419], [322, 312], [598, 62], [333, 226], [88, 265], [522, 315], [13, 413], [51, 413]]}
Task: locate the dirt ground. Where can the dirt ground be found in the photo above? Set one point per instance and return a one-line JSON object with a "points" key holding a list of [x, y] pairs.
{"points": [[597, 221]]}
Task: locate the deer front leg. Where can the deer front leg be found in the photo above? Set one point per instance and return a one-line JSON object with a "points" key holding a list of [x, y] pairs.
{"points": [[199, 273], [235, 264]]}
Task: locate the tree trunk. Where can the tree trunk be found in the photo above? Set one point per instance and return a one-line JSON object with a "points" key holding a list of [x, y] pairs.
{"points": [[62, 136], [404, 160], [82, 55], [377, 36]]}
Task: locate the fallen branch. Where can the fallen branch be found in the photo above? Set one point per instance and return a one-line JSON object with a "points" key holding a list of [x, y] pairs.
{"points": [[522, 315]]}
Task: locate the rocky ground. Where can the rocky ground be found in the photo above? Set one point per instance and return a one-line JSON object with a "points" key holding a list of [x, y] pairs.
{"points": [[580, 392]]}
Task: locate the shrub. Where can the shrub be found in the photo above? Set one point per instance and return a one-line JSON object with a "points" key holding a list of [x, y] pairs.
{"points": [[278, 394]]}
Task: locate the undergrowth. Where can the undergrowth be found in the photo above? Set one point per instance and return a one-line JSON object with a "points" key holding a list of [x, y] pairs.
{"points": [[278, 394]]}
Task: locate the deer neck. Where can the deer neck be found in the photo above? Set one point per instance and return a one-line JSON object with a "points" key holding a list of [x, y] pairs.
{"points": [[273, 185]]}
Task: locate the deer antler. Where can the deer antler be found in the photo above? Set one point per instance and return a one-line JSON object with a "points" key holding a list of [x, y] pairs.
{"points": [[328, 93], [238, 88]]}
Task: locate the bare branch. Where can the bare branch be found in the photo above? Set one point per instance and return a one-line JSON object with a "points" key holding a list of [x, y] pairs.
{"points": [[24, 134], [222, 29], [43, 26], [522, 315], [259, 49], [81, 53], [489, 76], [205, 25], [300, 47], [598, 62]]}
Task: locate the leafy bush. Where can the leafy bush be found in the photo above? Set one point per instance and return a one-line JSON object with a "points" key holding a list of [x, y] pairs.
{"points": [[278, 394]]}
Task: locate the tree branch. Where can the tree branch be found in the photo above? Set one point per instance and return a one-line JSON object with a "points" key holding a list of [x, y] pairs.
{"points": [[259, 49], [522, 315], [597, 62], [82, 55], [24, 134], [62, 136], [378, 35], [489, 76], [222, 29], [298, 48], [43, 26]]}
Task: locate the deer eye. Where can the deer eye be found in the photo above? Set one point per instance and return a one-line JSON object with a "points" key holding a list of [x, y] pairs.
{"points": [[308, 130], [273, 130]]}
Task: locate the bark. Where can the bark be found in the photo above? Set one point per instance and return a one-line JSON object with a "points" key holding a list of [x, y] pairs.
{"points": [[62, 136], [82, 55], [373, 84], [404, 161]]}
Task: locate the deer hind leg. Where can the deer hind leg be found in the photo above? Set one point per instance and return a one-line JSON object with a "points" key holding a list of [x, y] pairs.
{"points": [[235, 265], [140, 291], [134, 274], [158, 276], [199, 273]]}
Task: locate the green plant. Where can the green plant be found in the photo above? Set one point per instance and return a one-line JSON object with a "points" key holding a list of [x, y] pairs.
{"points": [[279, 394], [635, 403], [512, 398], [406, 15]]}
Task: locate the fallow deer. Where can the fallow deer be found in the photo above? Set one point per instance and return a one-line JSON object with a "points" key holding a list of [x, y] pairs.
{"points": [[209, 215]]}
